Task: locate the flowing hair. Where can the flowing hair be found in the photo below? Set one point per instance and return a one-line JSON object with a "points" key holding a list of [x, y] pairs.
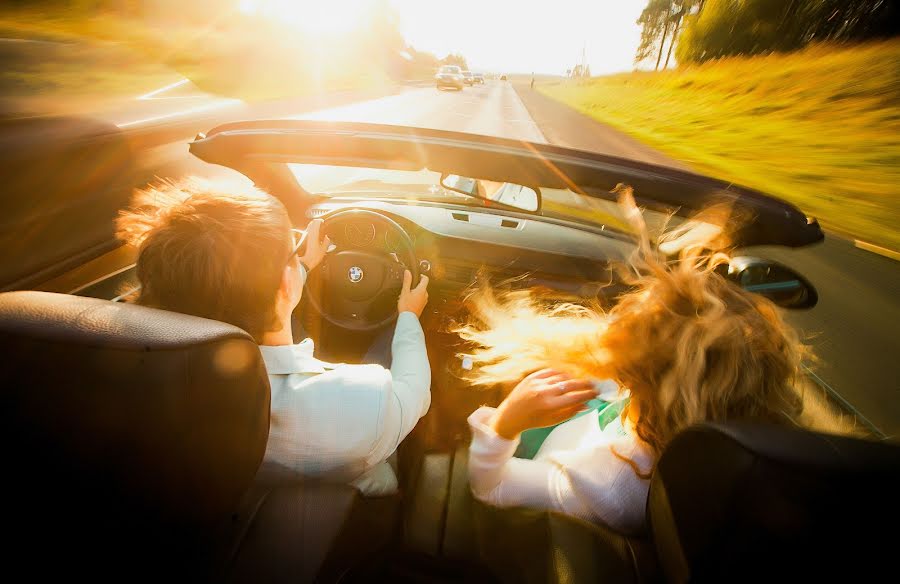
{"points": [[689, 345]]}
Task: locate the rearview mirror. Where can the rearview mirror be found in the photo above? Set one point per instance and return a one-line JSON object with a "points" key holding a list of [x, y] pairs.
{"points": [[777, 282], [509, 194]]}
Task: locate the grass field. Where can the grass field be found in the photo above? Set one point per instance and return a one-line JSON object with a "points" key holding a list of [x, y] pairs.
{"points": [[819, 128]]}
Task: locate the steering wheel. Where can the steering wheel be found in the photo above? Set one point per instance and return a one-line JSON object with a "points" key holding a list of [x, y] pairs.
{"points": [[354, 287]]}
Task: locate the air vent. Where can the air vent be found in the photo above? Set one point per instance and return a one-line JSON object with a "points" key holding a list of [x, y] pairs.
{"points": [[509, 223], [460, 216], [313, 213]]}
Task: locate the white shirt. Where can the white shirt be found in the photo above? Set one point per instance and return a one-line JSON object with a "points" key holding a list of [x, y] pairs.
{"points": [[342, 422], [574, 472]]}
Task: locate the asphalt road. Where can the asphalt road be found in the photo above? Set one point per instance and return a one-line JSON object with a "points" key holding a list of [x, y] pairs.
{"points": [[853, 330], [492, 109]]}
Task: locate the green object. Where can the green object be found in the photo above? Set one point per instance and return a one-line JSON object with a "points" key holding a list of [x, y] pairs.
{"points": [[531, 440]]}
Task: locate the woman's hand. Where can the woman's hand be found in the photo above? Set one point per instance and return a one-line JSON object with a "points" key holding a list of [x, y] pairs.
{"points": [[544, 398]]}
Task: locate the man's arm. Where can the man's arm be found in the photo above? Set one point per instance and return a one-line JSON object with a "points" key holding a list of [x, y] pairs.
{"points": [[410, 393]]}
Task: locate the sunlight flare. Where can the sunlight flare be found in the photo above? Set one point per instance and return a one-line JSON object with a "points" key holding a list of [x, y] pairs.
{"points": [[336, 16]]}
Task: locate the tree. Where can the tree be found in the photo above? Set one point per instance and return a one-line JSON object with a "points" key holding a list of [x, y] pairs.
{"points": [[749, 27], [654, 21], [455, 59], [681, 10], [661, 21]]}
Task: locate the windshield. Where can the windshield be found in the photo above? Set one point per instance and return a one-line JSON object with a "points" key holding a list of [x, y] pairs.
{"points": [[450, 70], [600, 210], [331, 181]]}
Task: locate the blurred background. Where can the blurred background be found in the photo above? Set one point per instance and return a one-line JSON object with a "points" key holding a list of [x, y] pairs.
{"points": [[796, 98]]}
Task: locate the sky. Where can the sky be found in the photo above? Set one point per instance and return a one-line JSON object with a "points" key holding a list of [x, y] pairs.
{"points": [[521, 36], [512, 36]]}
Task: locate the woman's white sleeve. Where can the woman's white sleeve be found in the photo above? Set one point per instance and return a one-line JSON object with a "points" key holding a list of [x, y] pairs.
{"points": [[499, 479]]}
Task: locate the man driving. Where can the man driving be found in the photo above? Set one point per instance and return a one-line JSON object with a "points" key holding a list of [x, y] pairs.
{"points": [[228, 253]]}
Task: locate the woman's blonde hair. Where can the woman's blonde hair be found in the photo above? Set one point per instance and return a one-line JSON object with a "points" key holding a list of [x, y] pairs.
{"points": [[688, 344]]}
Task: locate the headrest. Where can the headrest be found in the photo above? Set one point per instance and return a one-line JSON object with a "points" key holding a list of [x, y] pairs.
{"points": [[752, 502], [129, 409]]}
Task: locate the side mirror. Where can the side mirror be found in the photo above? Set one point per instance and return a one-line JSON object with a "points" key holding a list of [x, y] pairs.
{"points": [[775, 281]]}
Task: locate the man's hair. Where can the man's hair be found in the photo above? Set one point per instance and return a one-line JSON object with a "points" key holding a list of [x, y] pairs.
{"points": [[215, 251]]}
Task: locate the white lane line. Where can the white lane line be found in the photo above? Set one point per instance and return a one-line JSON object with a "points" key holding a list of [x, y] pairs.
{"points": [[152, 96], [33, 41], [193, 110], [882, 251], [155, 92]]}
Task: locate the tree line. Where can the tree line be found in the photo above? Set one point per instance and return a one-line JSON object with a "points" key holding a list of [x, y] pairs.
{"points": [[700, 30]]}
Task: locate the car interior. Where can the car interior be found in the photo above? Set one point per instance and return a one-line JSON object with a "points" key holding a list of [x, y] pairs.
{"points": [[134, 436]]}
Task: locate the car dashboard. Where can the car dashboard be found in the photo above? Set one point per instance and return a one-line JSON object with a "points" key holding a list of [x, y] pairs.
{"points": [[459, 246]]}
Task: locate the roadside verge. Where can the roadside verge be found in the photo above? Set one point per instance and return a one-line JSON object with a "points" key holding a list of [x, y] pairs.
{"points": [[564, 126]]}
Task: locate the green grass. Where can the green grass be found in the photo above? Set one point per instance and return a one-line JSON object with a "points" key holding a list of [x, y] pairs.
{"points": [[819, 128]]}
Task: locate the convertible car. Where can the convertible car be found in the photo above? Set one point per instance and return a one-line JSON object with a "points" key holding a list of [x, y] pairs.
{"points": [[133, 436]]}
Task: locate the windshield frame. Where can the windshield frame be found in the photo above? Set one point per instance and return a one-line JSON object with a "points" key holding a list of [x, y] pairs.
{"points": [[258, 146]]}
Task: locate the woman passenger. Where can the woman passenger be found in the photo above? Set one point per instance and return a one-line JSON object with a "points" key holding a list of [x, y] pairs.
{"points": [[684, 345]]}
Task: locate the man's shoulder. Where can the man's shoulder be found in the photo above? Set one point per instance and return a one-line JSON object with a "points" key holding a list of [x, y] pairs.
{"points": [[355, 379]]}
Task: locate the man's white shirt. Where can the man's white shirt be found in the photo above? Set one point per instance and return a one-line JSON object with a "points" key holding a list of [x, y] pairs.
{"points": [[342, 422]]}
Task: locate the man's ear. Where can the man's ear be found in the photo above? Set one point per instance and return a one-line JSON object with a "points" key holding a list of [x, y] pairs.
{"points": [[286, 288]]}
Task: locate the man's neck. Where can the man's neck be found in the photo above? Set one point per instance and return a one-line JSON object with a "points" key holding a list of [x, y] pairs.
{"points": [[284, 336]]}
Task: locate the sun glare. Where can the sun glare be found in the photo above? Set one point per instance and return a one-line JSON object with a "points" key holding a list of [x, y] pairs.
{"points": [[314, 16]]}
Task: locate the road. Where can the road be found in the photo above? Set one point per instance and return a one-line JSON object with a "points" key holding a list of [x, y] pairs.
{"points": [[493, 109], [853, 330]]}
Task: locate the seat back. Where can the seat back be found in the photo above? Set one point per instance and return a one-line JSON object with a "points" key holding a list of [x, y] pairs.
{"points": [[744, 502], [310, 531], [126, 431]]}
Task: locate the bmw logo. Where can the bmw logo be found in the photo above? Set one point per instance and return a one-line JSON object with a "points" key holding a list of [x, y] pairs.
{"points": [[355, 274]]}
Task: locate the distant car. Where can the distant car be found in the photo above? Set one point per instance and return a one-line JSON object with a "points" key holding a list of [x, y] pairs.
{"points": [[468, 78], [449, 76], [479, 78], [503, 78]]}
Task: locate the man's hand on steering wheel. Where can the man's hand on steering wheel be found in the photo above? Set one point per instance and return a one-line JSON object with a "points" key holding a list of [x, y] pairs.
{"points": [[357, 284], [415, 299], [316, 245]]}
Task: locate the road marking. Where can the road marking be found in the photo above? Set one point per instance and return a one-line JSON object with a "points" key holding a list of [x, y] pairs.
{"points": [[882, 251], [193, 110], [33, 41], [152, 96]]}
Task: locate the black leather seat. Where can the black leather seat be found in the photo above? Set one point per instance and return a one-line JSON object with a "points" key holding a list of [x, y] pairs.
{"points": [[743, 502], [131, 438], [544, 547], [128, 434]]}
